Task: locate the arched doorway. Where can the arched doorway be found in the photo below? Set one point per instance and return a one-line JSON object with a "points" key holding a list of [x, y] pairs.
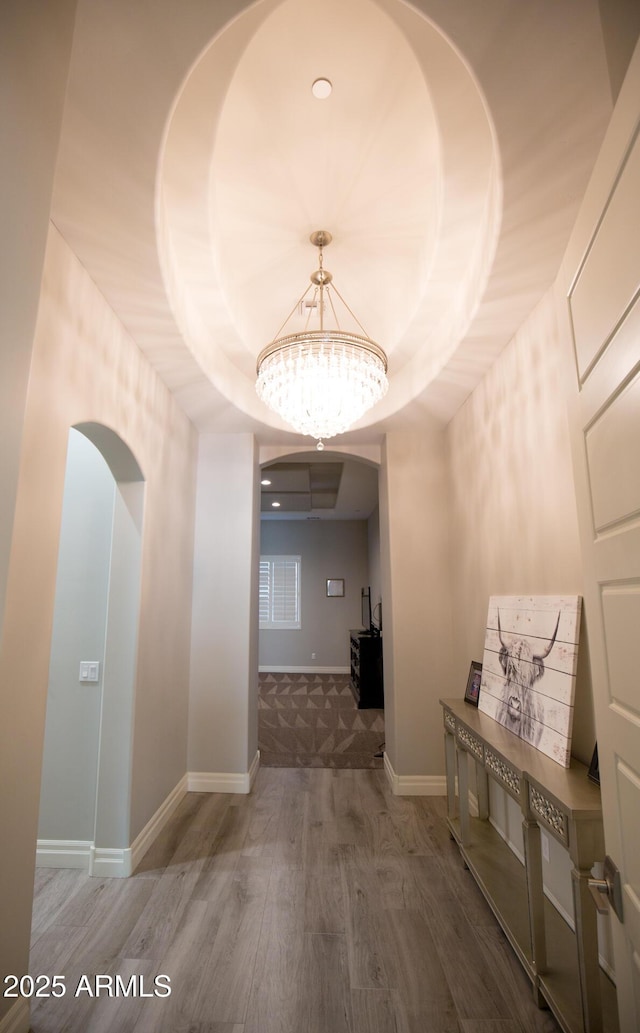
{"points": [[85, 792], [320, 524]]}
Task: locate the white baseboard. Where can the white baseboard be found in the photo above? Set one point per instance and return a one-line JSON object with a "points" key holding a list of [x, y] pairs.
{"points": [[253, 770], [120, 863], [17, 1018], [414, 785], [308, 669], [223, 781], [110, 862], [155, 825], [63, 853]]}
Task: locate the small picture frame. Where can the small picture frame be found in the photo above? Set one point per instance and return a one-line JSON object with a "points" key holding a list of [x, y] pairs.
{"points": [[472, 691], [335, 586], [594, 768]]}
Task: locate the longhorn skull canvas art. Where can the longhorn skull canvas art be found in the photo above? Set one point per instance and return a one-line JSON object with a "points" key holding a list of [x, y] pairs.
{"points": [[529, 667]]}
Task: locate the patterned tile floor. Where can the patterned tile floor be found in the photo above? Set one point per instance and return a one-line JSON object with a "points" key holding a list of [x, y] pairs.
{"points": [[311, 720]]}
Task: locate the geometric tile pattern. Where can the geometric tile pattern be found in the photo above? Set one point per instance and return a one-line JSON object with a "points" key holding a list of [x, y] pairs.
{"points": [[312, 720]]}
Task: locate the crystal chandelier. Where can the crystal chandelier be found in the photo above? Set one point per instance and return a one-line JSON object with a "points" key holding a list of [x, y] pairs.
{"points": [[321, 381]]}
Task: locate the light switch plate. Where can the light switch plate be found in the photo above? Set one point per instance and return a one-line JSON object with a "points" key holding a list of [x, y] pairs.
{"points": [[90, 670]]}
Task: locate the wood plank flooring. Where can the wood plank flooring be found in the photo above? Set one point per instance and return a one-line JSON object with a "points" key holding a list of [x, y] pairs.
{"points": [[320, 903]]}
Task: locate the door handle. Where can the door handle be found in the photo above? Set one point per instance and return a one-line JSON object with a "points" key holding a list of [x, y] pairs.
{"points": [[608, 890]]}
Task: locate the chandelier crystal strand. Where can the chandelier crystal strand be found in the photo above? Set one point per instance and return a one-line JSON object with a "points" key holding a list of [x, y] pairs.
{"points": [[322, 381]]}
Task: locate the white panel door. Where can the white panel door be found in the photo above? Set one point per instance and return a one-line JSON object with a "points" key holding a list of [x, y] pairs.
{"points": [[601, 287]]}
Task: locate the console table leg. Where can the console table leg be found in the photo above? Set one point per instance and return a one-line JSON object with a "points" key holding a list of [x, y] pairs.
{"points": [[538, 998], [463, 786], [535, 893], [450, 768], [587, 942], [482, 791]]}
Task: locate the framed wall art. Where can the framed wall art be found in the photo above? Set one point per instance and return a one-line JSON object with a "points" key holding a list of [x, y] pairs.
{"points": [[335, 586], [529, 669], [472, 691]]}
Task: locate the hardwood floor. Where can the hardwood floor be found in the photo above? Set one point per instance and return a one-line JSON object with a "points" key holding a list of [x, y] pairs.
{"points": [[320, 903]]}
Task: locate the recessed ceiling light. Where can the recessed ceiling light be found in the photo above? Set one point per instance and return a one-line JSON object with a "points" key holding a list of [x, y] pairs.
{"points": [[265, 481], [276, 505], [321, 89]]}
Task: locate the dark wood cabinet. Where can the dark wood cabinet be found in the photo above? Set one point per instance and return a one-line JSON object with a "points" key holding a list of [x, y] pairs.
{"points": [[366, 669]]}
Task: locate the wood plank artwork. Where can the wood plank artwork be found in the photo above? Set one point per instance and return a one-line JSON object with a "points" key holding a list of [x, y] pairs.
{"points": [[529, 669]]}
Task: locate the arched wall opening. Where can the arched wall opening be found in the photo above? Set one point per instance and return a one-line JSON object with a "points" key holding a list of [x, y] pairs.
{"points": [[85, 797], [415, 588], [335, 530], [340, 539]]}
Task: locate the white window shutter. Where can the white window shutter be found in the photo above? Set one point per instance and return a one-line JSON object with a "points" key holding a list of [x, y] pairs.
{"points": [[264, 591], [279, 592]]}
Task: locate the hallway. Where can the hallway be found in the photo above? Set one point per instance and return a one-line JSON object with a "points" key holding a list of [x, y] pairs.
{"points": [[320, 903]]}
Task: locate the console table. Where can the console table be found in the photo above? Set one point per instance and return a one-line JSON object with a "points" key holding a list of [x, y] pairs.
{"points": [[366, 669], [562, 965]]}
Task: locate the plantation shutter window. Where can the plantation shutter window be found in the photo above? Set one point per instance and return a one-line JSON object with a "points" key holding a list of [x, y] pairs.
{"points": [[279, 592]]}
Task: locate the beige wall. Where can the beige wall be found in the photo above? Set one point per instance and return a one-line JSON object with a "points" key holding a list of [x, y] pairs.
{"points": [[484, 507], [86, 368], [415, 557], [373, 542], [620, 21], [513, 517], [35, 45], [223, 711]]}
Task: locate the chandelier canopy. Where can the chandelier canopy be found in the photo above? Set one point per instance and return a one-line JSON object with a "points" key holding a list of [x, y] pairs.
{"points": [[321, 381]]}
